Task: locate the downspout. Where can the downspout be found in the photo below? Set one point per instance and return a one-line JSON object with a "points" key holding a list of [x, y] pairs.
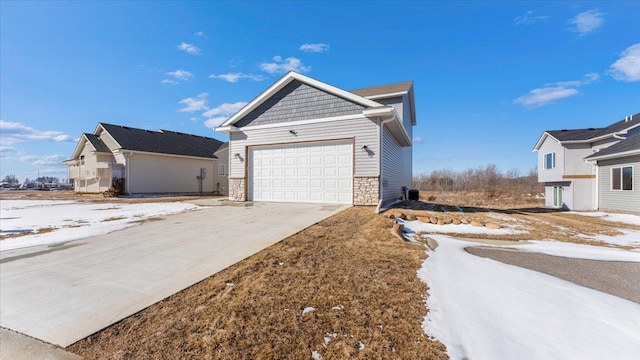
{"points": [[127, 157], [381, 145]]}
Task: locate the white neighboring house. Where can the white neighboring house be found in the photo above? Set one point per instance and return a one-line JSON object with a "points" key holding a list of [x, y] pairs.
{"points": [[302, 140], [576, 173], [149, 161]]}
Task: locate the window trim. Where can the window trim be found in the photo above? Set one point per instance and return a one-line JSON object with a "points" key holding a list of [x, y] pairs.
{"points": [[553, 161], [225, 170], [621, 184]]}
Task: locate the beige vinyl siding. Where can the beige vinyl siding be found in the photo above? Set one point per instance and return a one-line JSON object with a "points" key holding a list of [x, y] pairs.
{"points": [[550, 145], [396, 167], [623, 200], [362, 130], [150, 173]]}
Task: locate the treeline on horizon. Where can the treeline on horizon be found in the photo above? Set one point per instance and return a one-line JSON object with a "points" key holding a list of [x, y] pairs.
{"points": [[488, 179]]}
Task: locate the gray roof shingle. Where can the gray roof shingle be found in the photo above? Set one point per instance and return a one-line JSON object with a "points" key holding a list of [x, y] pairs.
{"points": [[163, 141], [384, 89], [629, 144], [592, 133], [97, 143]]}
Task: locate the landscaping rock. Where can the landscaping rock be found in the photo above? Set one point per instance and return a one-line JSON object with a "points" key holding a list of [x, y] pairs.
{"points": [[464, 221], [448, 221], [398, 229], [455, 221], [433, 219], [476, 223], [395, 213], [432, 244], [411, 217], [492, 226], [440, 222], [423, 219]]}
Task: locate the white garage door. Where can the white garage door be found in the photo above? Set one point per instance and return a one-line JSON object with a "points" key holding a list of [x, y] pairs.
{"points": [[319, 172]]}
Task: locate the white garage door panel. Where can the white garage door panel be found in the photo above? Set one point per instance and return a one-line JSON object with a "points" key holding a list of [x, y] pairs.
{"points": [[308, 172]]}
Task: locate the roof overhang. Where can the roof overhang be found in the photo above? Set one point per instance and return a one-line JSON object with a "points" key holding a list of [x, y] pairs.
{"points": [[389, 117], [284, 81], [544, 136], [593, 158]]}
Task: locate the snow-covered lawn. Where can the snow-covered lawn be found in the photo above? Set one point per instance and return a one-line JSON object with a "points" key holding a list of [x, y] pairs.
{"points": [[63, 221], [622, 218], [484, 309]]}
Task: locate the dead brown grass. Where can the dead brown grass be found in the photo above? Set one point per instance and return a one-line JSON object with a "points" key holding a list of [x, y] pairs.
{"points": [[481, 199], [359, 277], [535, 223], [95, 198]]}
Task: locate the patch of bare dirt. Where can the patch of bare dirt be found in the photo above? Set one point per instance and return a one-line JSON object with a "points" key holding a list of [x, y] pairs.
{"points": [[361, 280]]}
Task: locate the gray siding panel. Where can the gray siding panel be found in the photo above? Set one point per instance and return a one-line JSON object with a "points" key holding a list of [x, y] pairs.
{"points": [[623, 200], [396, 167], [363, 130], [298, 101]]}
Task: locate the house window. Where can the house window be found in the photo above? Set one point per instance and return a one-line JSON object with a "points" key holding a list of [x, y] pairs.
{"points": [[550, 160], [622, 178], [223, 170]]}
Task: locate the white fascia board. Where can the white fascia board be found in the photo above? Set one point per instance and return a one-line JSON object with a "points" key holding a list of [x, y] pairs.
{"points": [[379, 111], [284, 81], [83, 140], [613, 156], [302, 122], [124, 151], [389, 95], [542, 139], [226, 129], [71, 162], [396, 119]]}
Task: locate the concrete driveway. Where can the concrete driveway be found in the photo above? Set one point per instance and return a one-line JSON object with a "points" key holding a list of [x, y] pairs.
{"points": [[63, 293]]}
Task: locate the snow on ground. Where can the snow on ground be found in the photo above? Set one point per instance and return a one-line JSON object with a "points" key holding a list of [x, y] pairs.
{"points": [[577, 251], [485, 309], [623, 218], [417, 226], [72, 220], [628, 238]]}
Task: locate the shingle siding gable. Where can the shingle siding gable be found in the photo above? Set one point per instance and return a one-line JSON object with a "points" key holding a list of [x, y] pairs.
{"points": [[298, 101]]}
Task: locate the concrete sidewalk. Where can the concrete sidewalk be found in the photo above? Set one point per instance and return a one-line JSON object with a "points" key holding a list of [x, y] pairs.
{"points": [[17, 346], [63, 293]]}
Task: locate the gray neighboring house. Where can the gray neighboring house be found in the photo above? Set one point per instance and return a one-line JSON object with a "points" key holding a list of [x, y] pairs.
{"points": [[160, 161], [618, 176], [570, 164], [302, 140]]}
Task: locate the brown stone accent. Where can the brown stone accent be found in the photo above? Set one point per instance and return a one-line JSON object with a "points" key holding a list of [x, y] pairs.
{"points": [[578, 176], [237, 189], [366, 190]]}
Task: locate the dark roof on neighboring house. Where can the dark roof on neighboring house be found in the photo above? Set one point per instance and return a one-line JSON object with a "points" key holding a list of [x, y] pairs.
{"points": [[632, 143], [592, 133], [163, 141], [97, 143], [384, 89]]}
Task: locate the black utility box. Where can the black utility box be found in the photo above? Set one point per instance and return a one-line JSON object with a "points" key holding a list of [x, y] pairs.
{"points": [[414, 194]]}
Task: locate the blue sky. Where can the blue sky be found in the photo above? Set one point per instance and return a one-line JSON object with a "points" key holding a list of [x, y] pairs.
{"points": [[489, 77]]}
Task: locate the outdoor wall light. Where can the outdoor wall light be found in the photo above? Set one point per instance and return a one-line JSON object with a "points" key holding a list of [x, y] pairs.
{"points": [[365, 148], [237, 155], [293, 132]]}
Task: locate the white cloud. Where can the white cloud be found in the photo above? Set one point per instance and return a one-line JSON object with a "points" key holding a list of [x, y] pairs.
{"points": [[218, 115], [12, 132], [180, 74], [234, 77], [314, 47], [417, 139], [194, 119], [189, 48], [44, 159], [197, 103], [586, 22], [214, 122], [529, 18], [199, 33], [554, 91], [282, 66], [169, 81], [544, 96], [627, 68]]}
